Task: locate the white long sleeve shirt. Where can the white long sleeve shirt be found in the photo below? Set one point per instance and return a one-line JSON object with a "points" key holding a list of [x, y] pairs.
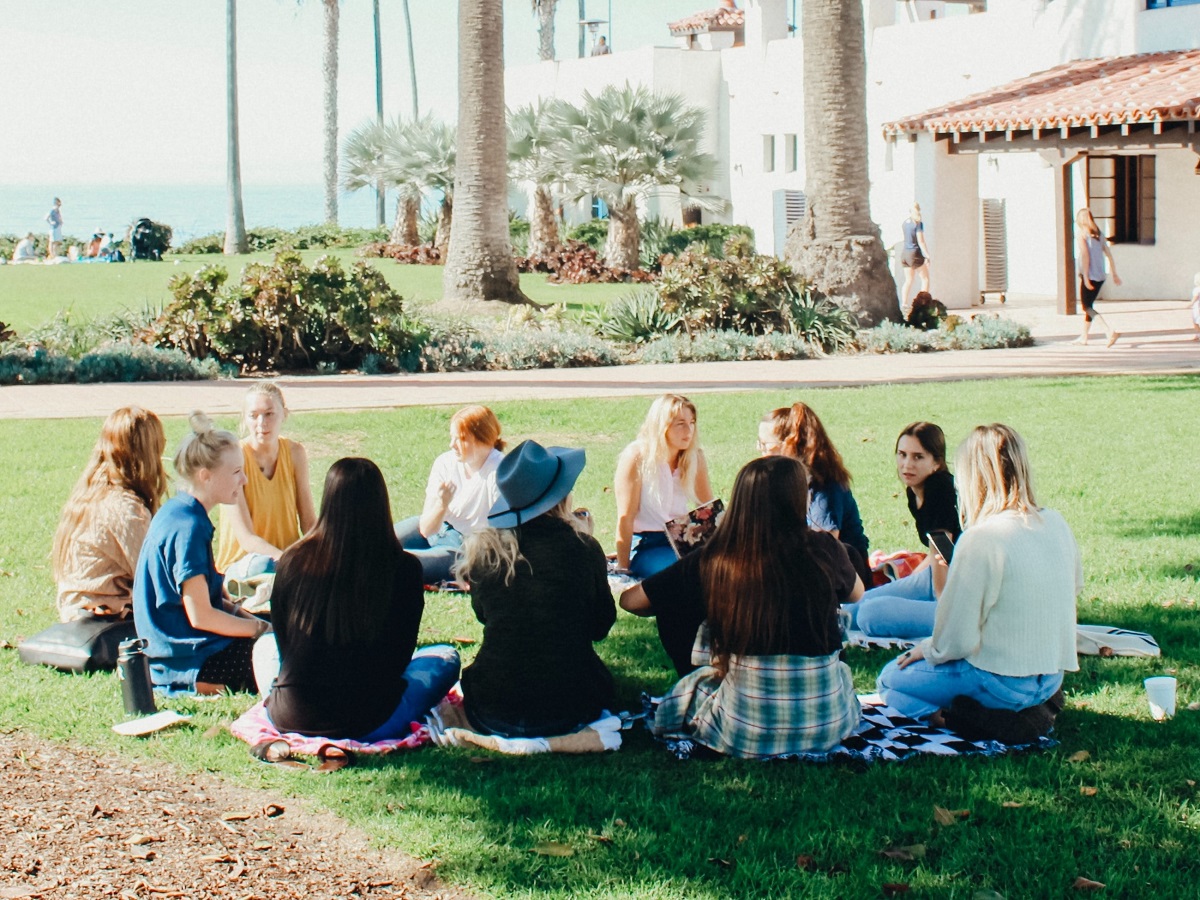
{"points": [[1008, 606]]}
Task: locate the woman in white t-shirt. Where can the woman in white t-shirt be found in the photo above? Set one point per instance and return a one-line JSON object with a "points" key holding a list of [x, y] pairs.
{"points": [[660, 476], [459, 495]]}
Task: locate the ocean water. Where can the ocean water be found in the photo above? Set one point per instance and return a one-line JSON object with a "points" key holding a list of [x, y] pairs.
{"points": [[190, 209]]}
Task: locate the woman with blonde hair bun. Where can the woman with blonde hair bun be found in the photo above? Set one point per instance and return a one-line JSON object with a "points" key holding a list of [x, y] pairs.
{"points": [[1004, 628], [660, 476], [196, 639], [105, 519]]}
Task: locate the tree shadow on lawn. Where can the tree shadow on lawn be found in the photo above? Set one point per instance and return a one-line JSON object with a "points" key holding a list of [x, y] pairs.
{"points": [[1186, 525]]}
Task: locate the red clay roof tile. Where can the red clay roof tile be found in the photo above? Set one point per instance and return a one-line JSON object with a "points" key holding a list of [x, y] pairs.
{"points": [[709, 20]]}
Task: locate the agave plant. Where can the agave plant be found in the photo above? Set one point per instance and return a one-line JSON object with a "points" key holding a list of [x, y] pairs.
{"points": [[636, 318]]}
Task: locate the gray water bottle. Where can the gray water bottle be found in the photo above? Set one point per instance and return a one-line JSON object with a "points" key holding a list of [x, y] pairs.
{"points": [[133, 668]]}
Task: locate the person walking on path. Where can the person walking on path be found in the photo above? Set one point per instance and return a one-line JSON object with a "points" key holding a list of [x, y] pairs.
{"points": [[914, 256], [55, 220], [1092, 249]]}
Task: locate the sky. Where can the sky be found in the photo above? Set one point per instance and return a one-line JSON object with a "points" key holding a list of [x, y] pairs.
{"points": [[133, 91]]}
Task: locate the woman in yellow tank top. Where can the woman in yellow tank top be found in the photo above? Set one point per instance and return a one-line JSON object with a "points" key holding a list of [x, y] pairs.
{"points": [[276, 506]]}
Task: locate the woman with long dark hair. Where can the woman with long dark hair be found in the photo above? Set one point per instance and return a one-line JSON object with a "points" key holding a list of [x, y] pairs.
{"points": [[346, 606], [770, 679]]}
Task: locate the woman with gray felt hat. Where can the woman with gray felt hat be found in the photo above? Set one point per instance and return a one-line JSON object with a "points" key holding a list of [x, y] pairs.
{"points": [[539, 586]]}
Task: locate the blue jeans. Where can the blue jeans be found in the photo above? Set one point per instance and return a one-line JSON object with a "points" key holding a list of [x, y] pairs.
{"points": [[922, 688], [651, 554], [902, 608], [430, 675], [437, 554]]}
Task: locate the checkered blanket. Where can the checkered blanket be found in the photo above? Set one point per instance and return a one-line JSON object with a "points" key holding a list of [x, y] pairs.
{"points": [[884, 735]]}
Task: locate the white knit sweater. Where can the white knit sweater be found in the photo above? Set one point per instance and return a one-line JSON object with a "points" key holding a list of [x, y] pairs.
{"points": [[1008, 606]]}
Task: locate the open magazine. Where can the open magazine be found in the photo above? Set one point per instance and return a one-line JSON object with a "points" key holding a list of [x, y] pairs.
{"points": [[689, 531]]}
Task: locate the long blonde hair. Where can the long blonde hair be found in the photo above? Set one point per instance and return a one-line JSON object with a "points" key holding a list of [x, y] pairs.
{"points": [[915, 213], [993, 474], [651, 444], [262, 389], [202, 447], [127, 457], [494, 552]]}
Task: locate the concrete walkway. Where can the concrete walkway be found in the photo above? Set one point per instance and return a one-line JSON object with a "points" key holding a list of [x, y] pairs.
{"points": [[1156, 339]]}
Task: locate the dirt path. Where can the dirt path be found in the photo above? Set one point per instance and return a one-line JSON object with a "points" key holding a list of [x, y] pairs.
{"points": [[74, 824]]}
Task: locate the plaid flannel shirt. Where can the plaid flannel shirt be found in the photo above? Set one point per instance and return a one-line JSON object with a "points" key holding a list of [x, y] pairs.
{"points": [[765, 706]]}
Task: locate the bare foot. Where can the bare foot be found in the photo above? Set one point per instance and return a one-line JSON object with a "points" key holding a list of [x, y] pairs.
{"points": [[1112, 338], [1082, 341], [937, 719]]}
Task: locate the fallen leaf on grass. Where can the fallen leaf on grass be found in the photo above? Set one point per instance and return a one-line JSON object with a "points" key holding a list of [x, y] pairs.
{"points": [[235, 816], [1086, 884], [723, 863], [462, 639], [1087, 790], [1194, 706], [601, 838], [945, 817], [552, 848], [1079, 756], [904, 854], [806, 862], [1011, 804], [272, 810], [619, 823], [213, 732], [892, 888]]}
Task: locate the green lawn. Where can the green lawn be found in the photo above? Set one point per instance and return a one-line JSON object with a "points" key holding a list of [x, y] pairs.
{"points": [[31, 295], [1110, 454]]}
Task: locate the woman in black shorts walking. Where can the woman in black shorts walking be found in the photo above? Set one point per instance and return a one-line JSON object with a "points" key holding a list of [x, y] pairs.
{"points": [[914, 256], [1092, 248]]}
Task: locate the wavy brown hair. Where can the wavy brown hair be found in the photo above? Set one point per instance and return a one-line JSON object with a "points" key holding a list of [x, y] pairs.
{"points": [[803, 437], [931, 438], [758, 575], [127, 457]]}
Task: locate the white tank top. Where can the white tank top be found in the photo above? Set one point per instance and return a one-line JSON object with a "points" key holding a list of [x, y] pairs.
{"points": [[658, 506]]}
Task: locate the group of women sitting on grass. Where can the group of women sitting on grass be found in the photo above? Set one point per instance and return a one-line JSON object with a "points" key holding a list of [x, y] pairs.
{"points": [[753, 621]]}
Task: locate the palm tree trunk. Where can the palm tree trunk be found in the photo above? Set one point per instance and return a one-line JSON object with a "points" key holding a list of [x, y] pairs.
{"points": [[235, 221], [445, 221], [623, 247], [479, 263], [837, 246], [545, 13], [543, 224], [329, 68], [380, 190], [404, 230], [412, 63]]}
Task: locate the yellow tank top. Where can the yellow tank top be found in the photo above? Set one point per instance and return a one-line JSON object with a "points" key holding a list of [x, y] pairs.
{"points": [[272, 503]]}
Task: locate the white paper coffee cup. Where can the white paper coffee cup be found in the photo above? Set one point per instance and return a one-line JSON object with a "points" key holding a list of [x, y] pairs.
{"points": [[1160, 691]]}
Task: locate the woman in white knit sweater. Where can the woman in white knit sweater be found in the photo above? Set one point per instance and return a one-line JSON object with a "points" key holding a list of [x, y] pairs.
{"points": [[1004, 630]]}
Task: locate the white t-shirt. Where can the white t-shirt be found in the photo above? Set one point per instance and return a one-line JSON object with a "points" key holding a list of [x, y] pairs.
{"points": [[474, 495], [657, 507]]}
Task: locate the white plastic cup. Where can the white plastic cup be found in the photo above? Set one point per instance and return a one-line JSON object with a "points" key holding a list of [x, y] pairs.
{"points": [[1160, 691]]}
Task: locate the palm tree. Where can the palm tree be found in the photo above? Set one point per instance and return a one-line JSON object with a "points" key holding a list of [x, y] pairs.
{"points": [[380, 191], [622, 143], [413, 157], [480, 263], [837, 246], [235, 222], [544, 10], [532, 136], [329, 69], [412, 61]]}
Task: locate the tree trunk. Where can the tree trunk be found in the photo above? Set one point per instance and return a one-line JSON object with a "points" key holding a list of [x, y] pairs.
{"points": [[622, 249], [329, 68], [235, 221], [404, 230], [380, 189], [545, 11], [445, 221], [837, 246], [412, 63], [543, 224], [479, 262]]}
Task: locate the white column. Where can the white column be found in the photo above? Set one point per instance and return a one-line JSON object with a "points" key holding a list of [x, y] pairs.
{"points": [[947, 187], [766, 20]]}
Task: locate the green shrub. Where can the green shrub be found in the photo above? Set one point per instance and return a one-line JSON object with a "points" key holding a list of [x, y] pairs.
{"points": [[139, 362], [306, 237], [20, 365], [634, 319], [594, 233], [723, 346], [821, 322], [712, 238], [74, 339], [286, 315], [518, 235], [655, 235], [459, 346], [980, 333]]}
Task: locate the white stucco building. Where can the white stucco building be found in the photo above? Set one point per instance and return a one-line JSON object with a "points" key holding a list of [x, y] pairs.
{"points": [[951, 127]]}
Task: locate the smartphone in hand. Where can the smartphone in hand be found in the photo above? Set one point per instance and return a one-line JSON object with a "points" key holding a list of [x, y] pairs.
{"points": [[943, 543]]}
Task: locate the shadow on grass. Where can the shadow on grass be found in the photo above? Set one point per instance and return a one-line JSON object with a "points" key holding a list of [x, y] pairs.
{"points": [[1186, 525]]}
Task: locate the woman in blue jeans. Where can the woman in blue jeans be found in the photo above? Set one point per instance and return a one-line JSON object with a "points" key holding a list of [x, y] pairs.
{"points": [[346, 606], [1004, 631]]}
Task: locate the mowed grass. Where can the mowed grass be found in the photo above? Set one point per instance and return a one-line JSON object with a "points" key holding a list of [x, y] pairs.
{"points": [[31, 295], [1113, 455]]}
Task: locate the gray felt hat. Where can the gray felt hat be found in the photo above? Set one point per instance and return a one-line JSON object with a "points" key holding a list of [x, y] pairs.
{"points": [[533, 479]]}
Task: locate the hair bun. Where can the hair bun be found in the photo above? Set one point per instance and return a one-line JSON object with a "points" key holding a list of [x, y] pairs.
{"points": [[200, 423]]}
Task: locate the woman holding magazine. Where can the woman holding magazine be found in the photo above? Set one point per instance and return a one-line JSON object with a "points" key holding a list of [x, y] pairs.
{"points": [[660, 476], [770, 679]]}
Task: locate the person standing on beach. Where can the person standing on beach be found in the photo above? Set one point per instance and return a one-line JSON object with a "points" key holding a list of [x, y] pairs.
{"points": [[1092, 249], [55, 220]]}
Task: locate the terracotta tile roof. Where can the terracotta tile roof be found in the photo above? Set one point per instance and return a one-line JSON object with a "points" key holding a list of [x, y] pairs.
{"points": [[1146, 88], [709, 20]]}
